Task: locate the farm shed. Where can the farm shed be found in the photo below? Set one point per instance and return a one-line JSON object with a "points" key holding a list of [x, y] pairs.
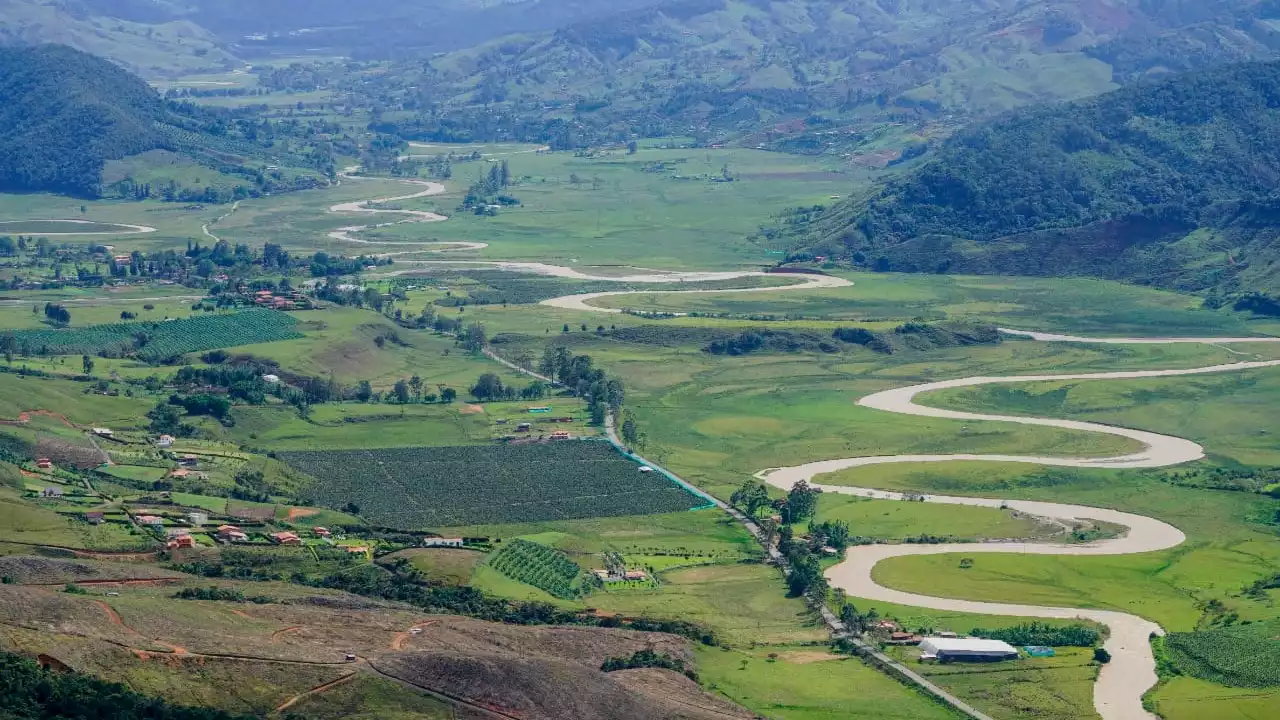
{"points": [[947, 649], [51, 492], [95, 517], [103, 432], [442, 542]]}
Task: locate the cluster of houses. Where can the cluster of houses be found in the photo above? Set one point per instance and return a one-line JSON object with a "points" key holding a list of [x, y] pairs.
{"points": [[288, 301], [623, 576]]}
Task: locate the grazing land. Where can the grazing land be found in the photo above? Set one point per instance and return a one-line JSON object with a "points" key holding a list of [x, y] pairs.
{"points": [[448, 486]]}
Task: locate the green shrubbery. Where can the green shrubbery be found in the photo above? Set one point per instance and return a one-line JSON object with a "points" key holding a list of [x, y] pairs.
{"points": [[1035, 633]]}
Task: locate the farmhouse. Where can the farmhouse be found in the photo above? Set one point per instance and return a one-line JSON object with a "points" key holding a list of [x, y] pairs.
{"points": [[322, 532], [904, 638], [181, 542], [560, 435], [197, 518], [285, 538], [188, 460], [164, 441], [95, 517], [44, 463], [51, 492], [635, 575], [442, 542], [103, 432], [970, 649], [151, 520]]}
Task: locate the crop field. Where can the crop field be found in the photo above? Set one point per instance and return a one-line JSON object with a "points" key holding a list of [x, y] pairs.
{"points": [[542, 567], [163, 339], [469, 485], [1243, 656]]}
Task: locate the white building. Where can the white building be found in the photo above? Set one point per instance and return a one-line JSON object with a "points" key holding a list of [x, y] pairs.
{"points": [[442, 542], [946, 649], [197, 518], [165, 441]]}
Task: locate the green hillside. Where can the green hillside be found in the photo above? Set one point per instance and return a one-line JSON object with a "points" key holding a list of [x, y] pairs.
{"points": [[141, 35], [1168, 183], [762, 69], [64, 114]]}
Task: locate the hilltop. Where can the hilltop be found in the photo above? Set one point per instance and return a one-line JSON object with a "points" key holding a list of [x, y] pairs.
{"points": [[1168, 183], [64, 114]]}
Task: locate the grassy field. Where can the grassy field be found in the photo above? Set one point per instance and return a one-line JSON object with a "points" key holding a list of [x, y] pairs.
{"points": [[892, 520], [1063, 304], [804, 682], [607, 217]]}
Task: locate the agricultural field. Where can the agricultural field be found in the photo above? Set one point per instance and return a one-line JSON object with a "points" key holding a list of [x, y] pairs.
{"points": [[1242, 656], [542, 567], [448, 486], [62, 227], [159, 340]]}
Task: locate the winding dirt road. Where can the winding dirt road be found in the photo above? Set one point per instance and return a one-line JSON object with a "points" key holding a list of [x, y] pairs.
{"points": [[1122, 683]]}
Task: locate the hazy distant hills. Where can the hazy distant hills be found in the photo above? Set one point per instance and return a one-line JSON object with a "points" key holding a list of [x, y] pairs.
{"points": [[1170, 182]]}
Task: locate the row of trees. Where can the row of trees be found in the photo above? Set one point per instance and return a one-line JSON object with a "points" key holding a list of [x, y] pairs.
{"points": [[602, 393]]}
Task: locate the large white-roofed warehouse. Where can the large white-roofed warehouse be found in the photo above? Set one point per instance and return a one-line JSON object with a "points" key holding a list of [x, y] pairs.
{"points": [[948, 649]]}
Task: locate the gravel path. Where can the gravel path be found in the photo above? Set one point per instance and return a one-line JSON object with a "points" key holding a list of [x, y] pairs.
{"points": [[1052, 337], [133, 229], [343, 234], [1131, 672]]}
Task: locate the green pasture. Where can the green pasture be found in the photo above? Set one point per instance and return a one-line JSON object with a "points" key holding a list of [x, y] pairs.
{"points": [[1232, 413], [803, 682], [175, 222], [1076, 305], [608, 217], [893, 520]]}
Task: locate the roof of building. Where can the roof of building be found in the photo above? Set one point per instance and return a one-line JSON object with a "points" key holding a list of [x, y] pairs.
{"points": [[963, 645]]}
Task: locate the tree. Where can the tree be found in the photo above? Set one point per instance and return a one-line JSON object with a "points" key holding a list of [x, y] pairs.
{"points": [[86, 362], [802, 502], [474, 337], [750, 497], [632, 147], [488, 387], [364, 391], [806, 575], [630, 431], [598, 413], [7, 245], [849, 616], [448, 395], [401, 391], [165, 419], [415, 382]]}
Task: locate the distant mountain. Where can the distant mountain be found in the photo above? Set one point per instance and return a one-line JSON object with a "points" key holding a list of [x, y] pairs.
{"points": [[726, 67], [142, 35], [65, 114], [1173, 183]]}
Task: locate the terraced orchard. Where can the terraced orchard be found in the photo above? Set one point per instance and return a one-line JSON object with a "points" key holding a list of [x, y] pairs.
{"points": [[542, 567], [159, 340], [435, 487]]}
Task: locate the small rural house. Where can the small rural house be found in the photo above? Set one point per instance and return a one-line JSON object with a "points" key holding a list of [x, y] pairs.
{"points": [[103, 432], [51, 492], [189, 461], [44, 463], [442, 542], [285, 538], [904, 638], [181, 542], [197, 518], [635, 575], [151, 520], [560, 435], [358, 549], [322, 532], [164, 441], [172, 533], [95, 517], [965, 649], [272, 379]]}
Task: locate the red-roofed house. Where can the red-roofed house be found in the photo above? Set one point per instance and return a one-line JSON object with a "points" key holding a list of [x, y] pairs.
{"points": [[285, 538]]}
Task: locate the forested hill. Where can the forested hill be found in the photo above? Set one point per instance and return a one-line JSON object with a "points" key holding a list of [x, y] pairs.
{"points": [[1171, 183], [65, 113]]}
